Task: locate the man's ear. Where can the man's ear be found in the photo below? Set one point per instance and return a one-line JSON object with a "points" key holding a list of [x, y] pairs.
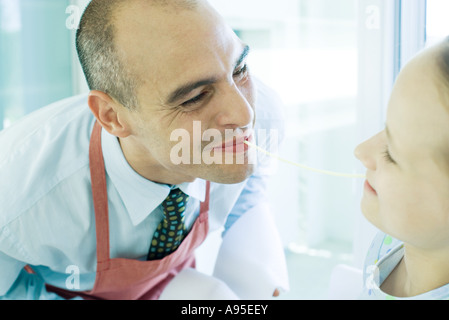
{"points": [[107, 111]]}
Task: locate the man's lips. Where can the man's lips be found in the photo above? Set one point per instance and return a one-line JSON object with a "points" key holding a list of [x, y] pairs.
{"points": [[237, 144]]}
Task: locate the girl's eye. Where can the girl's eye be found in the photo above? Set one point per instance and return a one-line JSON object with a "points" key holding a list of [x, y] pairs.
{"points": [[388, 157]]}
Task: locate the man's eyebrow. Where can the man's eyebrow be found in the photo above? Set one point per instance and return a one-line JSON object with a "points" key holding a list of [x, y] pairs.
{"points": [[243, 56], [184, 90]]}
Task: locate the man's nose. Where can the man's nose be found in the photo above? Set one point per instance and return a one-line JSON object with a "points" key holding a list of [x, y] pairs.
{"points": [[234, 109]]}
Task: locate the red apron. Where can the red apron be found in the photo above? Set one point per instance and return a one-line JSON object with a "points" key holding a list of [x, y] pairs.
{"points": [[125, 279]]}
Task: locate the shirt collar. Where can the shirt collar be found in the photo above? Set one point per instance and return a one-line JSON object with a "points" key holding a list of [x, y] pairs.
{"points": [[140, 196]]}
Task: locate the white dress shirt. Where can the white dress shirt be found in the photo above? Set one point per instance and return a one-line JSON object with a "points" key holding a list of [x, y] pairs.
{"points": [[47, 218]]}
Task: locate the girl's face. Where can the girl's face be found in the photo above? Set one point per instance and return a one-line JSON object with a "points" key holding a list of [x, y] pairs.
{"points": [[406, 193]]}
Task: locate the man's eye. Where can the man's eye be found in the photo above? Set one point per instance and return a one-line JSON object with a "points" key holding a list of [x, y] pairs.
{"points": [[195, 100], [241, 71]]}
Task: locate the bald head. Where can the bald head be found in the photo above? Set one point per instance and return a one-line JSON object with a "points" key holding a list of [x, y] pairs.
{"points": [[102, 60]]}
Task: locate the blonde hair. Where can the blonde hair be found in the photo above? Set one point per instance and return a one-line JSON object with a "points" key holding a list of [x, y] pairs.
{"points": [[443, 69]]}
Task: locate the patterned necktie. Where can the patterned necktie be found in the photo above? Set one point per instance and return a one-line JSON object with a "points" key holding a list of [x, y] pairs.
{"points": [[172, 230]]}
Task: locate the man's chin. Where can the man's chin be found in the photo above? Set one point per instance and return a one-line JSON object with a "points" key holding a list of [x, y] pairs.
{"points": [[230, 174]]}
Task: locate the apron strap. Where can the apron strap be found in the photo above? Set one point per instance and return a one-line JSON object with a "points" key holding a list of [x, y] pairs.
{"points": [[99, 194], [100, 198]]}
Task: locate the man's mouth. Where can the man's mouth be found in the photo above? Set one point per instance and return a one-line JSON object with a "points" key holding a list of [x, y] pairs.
{"points": [[236, 145]]}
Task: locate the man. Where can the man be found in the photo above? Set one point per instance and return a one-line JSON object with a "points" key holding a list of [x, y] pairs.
{"points": [[94, 203]]}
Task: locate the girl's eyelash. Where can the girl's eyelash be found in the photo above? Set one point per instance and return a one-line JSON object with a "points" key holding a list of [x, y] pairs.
{"points": [[388, 157]]}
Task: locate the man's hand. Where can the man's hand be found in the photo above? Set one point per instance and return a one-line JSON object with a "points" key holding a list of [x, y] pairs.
{"points": [[276, 293]]}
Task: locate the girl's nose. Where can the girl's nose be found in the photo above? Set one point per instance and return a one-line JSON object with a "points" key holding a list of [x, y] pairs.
{"points": [[366, 152]]}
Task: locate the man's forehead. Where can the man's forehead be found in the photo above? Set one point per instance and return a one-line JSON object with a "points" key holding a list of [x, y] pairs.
{"points": [[151, 29], [166, 5], [147, 11], [171, 51]]}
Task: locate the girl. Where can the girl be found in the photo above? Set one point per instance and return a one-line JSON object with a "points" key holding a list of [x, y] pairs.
{"points": [[406, 194]]}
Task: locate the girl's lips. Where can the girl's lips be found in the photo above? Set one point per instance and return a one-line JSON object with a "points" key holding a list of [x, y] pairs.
{"points": [[370, 188]]}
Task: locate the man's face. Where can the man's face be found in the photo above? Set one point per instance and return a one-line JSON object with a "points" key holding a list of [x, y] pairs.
{"points": [[193, 70]]}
